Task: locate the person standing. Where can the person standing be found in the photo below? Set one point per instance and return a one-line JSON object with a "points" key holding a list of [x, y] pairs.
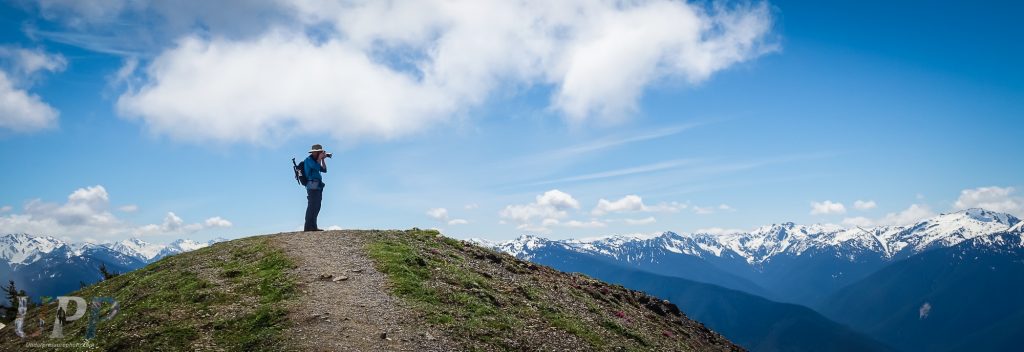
{"points": [[313, 166]]}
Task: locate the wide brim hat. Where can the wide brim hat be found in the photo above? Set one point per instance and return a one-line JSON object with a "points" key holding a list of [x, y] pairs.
{"points": [[316, 148]]}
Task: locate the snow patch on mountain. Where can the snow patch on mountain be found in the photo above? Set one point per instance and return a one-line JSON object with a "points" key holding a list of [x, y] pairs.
{"points": [[24, 249], [764, 243]]}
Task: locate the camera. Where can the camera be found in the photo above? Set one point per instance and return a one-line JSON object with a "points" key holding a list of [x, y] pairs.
{"points": [[328, 154]]}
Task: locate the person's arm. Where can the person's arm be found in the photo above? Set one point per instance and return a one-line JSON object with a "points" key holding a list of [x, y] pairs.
{"points": [[323, 163]]}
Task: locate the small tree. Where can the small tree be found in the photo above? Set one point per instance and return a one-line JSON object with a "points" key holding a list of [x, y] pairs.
{"points": [[12, 297], [107, 274]]}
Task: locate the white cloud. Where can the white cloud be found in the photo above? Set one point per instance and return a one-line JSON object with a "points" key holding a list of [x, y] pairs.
{"points": [[375, 69], [26, 62], [333, 228], [86, 213], [5, 208], [471, 206], [827, 207], [864, 205], [217, 221], [1001, 199], [551, 204], [726, 207], [547, 207], [644, 221], [584, 224], [21, 111], [633, 203], [913, 214], [128, 208], [628, 203], [439, 214], [858, 221], [558, 200], [458, 222]]}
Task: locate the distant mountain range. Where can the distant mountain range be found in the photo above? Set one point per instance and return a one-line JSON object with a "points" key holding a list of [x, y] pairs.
{"points": [[46, 266], [871, 279]]}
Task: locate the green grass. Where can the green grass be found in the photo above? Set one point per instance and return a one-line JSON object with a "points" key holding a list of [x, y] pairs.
{"points": [[623, 331], [169, 306], [465, 303], [573, 326]]}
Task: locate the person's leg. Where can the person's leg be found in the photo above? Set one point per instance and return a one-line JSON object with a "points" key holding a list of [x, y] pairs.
{"points": [[316, 206], [312, 203], [318, 195]]}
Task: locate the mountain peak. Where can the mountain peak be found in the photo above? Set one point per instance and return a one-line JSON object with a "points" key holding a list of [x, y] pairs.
{"points": [[982, 215]]}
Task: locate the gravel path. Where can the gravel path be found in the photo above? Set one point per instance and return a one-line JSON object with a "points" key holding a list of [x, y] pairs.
{"points": [[353, 314]]}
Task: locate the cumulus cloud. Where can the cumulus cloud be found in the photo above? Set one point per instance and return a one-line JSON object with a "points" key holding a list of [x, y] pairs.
{"points": [[1001, 199], [440, 214], [87, 213], [129, 208], [20, 110], [217, 221], [547, 208], [26, 62], [628, 203], [864, 204], [552, 204], [633, 203], [827, 207], [386, 69], [584, 224], [858, 221], [913, 214], [6, 208]]}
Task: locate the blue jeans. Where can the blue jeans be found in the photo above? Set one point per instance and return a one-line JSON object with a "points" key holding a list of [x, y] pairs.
{"points": [[314, 195]]}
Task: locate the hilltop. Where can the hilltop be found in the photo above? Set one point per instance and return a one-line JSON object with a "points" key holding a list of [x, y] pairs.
{"points": [[369, 290]]}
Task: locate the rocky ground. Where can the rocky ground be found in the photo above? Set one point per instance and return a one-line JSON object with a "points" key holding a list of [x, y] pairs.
{"points": [[344, 304]]}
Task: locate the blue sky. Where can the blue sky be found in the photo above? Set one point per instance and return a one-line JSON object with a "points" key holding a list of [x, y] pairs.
{"points": [[771, 112]]}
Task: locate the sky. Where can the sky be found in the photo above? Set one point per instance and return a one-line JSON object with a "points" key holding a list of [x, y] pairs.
{"points": [[493, 119]]}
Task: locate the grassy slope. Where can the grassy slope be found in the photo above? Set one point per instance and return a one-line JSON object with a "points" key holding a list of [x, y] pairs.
{"points": [[223, 297], [231, 296], [491, 301]]}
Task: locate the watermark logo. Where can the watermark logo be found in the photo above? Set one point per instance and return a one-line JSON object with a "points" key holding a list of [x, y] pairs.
{"points": [[61, 318]]}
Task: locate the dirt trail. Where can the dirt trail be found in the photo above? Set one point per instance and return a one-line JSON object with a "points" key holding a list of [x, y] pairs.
{"points": [[350, 314]]}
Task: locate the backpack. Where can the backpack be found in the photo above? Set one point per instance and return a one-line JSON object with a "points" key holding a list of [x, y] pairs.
{"points": [[300, 172]]}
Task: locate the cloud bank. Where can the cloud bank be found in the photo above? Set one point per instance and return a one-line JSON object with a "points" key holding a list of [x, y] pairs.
{"points": [[387, 69], [86, 214]]}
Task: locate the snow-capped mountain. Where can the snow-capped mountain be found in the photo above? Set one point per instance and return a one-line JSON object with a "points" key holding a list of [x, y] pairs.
{"points": [[796, 263], [25, 249], [764, 243], [21, 248], [44, 265]]}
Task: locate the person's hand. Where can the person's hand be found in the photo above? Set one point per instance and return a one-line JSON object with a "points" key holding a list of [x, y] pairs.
{"points": [[322, 156]]}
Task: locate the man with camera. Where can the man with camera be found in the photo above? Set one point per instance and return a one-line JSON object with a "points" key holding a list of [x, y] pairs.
{"points": [[312, 167]]}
